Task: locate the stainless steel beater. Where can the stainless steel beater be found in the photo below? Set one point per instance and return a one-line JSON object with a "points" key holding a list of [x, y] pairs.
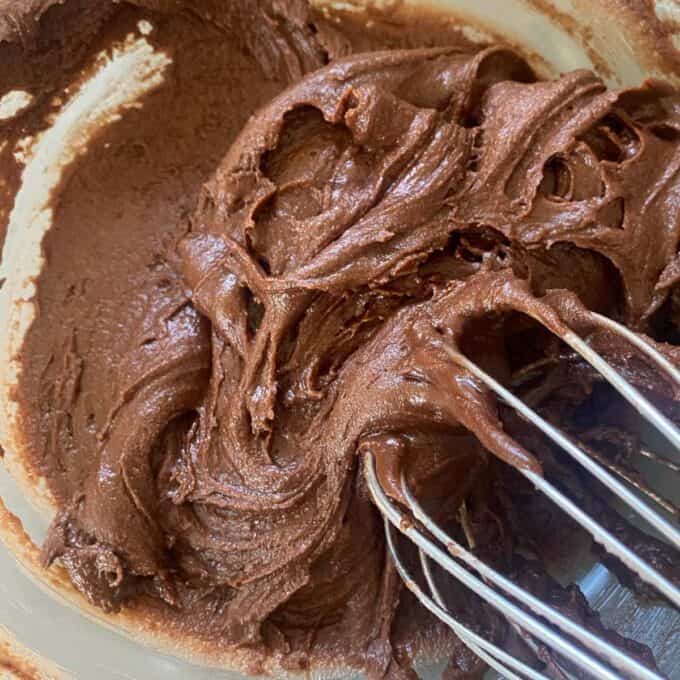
{"points": [[571, 640]]}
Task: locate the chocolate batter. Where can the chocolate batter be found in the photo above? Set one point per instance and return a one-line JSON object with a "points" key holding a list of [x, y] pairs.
{"points": [[237, 305]]}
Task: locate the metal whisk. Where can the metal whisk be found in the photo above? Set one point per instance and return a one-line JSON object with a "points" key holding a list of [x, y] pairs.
{"points": [[565, 636]]}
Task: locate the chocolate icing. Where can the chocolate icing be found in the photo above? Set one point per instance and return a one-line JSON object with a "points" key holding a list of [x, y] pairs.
{"points": [[264, 308]]}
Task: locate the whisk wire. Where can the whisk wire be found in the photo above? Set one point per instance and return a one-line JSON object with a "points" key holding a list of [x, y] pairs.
{"points": [[632, 395], [572, 641], [596, 644], [511, 611], [639, 343], [611, 482], [501, 657], [496, 658]]}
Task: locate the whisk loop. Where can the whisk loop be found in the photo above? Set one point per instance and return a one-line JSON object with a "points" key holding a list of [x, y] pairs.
{"points": [[569, 639]]}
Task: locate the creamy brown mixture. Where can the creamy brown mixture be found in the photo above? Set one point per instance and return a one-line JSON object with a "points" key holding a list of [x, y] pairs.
{"points": [[236, 305]]}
